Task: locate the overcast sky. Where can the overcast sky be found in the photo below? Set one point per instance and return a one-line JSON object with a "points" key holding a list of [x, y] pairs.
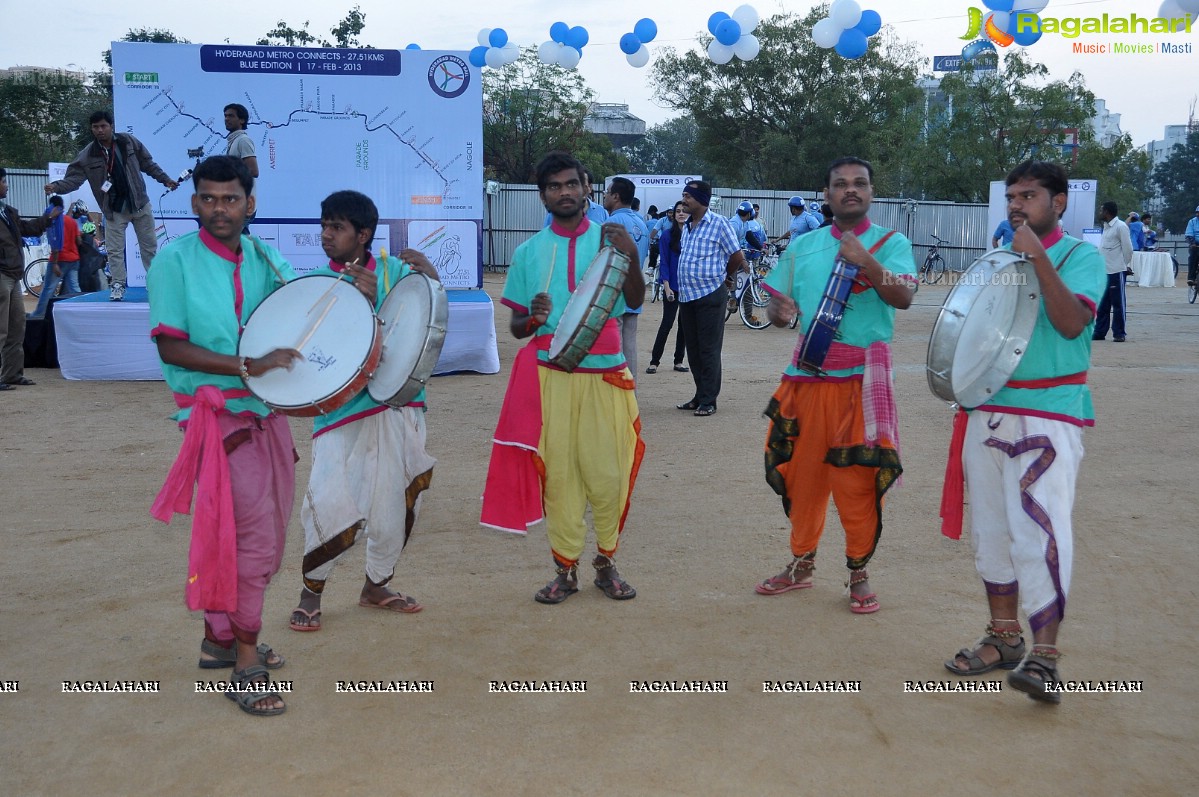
{"points": [[1149, 91]]}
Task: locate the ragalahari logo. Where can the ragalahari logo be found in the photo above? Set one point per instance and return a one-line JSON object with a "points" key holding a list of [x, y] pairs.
{"points": [[1000, 25]]}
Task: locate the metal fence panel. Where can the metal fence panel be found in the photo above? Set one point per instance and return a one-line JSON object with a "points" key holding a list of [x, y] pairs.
{"points": [[26, 190]]}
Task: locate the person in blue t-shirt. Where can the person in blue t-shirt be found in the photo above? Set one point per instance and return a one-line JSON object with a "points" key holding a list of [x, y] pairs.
{"points": [[1003, 234], [1136, 231]]}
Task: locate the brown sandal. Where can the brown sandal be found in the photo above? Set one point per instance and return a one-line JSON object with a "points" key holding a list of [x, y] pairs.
{"points": [[565, 584], [1010, 653], [607, 579]]}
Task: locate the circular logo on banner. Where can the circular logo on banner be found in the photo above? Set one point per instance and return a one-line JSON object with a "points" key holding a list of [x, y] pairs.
{"points": [[449, 76]]}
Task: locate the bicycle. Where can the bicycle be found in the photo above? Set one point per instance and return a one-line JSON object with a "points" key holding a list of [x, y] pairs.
{"points": [[749, 299], [651, 282], [1192, 292], [35, 276], [933, 268]]}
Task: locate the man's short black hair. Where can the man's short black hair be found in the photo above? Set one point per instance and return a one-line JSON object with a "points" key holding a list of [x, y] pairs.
{"points": [[1111, 208], [3, 173], [223, 169], [847, 161], [1050, 175], [242, 113], [100, 116], [624, 189], [56, 201], [352, 206], [555, 162]]}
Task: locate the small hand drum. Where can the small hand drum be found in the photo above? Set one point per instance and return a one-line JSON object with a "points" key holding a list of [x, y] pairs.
{"points": [[588, 308], [414, 315], [983, 329]]}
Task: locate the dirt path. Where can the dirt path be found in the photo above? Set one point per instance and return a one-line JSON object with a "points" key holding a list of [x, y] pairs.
{"points": [[93, 590]]}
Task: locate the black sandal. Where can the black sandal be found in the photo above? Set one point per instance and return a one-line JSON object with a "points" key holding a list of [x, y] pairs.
{"points": [[653, 369], [1037, 675], [247, 698], [565, 584], [1010, 653], [608, 580], [688, 405]]}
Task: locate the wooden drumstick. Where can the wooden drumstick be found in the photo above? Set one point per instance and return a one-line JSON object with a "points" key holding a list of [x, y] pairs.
{"points": [[399, 312], [313, 328], [553, 262], [329, 290]]}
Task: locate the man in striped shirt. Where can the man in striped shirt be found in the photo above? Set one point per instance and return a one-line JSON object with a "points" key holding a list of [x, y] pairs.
{"points": [[710, 254]]}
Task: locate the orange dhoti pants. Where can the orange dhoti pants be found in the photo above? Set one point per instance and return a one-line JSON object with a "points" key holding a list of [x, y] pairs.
{"points": [[816, 447]]}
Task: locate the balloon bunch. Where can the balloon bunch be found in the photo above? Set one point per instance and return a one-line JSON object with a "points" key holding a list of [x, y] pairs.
{"points": [[733, 35], [413, 46], [1000, 25], [633, 44], [494, 49], [565, 46], [847, 29]]}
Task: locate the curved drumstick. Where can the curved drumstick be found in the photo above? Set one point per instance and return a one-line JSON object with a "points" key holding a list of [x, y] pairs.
{"points": [[312, 330], [329, 290], [553, 262]]}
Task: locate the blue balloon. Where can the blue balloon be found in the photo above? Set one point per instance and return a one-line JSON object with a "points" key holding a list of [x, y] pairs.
{"points": [[852, 44], [715, 20], [498, 37], [478, 56], [629, 43], [870, 23], [413, 46], [558, 32], [646, 30], [728, 32], [999, 5], [577, 37], [1027, 38]]}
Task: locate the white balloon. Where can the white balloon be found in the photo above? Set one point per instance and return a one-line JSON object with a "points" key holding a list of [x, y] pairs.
{"points": [[511, 52], [548, 52], [747, 47], [1190, 6], [569, 57], [845, 13], [747, 18], [484, 37], [494, 57], [1029, 6], [639, 58], [720, 53], [1002, 19], [825, 33]]}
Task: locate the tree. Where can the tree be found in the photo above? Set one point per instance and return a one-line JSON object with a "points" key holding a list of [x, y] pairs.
{"points": [[993, 121], [668, 148], [1177, 179], [778, 120], [345, 33], [531, 108], [1122, 170], [153, 35], [46, 119]]}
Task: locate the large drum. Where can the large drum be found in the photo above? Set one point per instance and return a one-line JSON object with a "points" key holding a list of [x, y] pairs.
{"points": [[414, 316], [983, 329], [334, 327], [588, 308], [823, 329]]}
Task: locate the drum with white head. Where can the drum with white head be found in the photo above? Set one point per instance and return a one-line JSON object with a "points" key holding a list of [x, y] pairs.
{"points": [[414, 315], [588, 309], [333, 325], [983, 329]]}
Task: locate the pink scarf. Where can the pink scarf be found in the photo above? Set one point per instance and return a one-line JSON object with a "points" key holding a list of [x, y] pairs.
{"points": [[878, 395], [212, 557]]}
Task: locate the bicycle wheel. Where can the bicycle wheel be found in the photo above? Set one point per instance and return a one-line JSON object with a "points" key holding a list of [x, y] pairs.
{"points": [[1192, 292], [753, 315], [935, 269], [730, 306], [759, 297], [35, 275]]}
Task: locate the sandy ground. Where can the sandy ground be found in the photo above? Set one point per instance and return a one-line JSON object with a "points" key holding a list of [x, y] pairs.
{"points": [[93, 589]]}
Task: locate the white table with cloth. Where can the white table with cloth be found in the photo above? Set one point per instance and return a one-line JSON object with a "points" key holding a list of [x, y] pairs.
{"points": [[1153, 269], [99, 339]]}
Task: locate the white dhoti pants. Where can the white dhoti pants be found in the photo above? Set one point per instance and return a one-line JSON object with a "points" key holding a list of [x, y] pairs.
{"points": [[367, 476], [1020, 473]]}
